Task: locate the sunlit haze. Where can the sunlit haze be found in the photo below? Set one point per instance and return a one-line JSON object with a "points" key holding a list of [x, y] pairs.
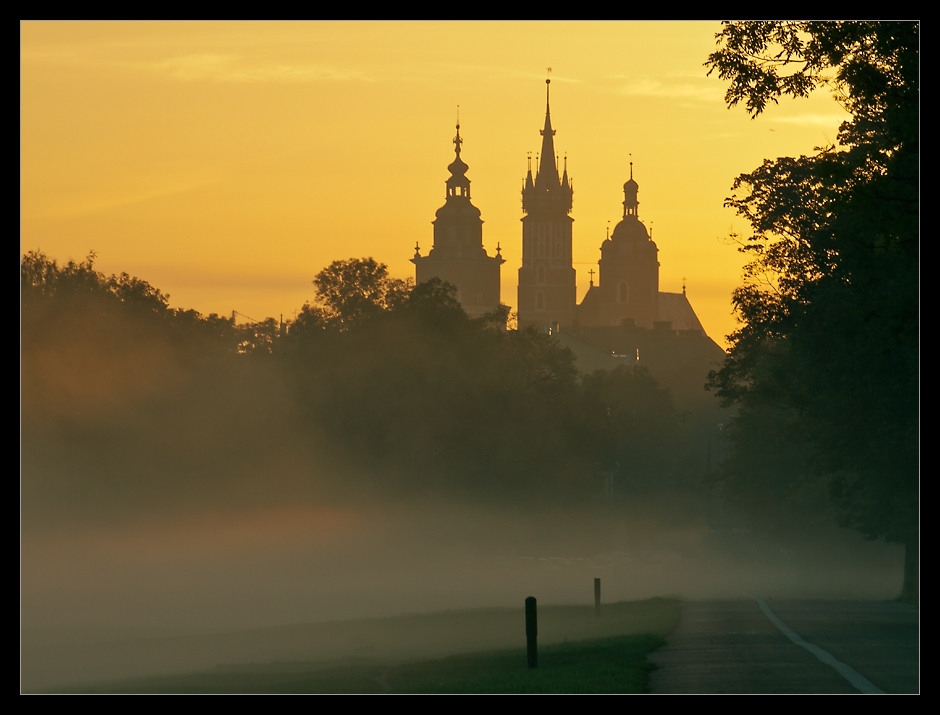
{"points": [[228, 163], [301, 450]]}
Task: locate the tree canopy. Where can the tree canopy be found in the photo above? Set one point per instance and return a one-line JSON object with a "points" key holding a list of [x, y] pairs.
{"points": [[829, 306], [357, 289], [390, 382]]}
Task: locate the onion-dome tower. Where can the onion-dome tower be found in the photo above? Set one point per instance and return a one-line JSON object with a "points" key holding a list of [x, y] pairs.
{"points": [[458, 256], [629, 267]]}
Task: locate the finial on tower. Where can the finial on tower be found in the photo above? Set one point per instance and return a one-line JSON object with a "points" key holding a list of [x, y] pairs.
{"points": [[548, 82], [630, 189], [457, 140]]}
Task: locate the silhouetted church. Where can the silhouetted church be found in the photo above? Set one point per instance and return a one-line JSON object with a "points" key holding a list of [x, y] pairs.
{"points": [[547, 287], [458, 256], [625, 318], [628, 284]]}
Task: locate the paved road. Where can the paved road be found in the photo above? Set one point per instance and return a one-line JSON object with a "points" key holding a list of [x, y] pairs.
{"points": [[733, 647]]}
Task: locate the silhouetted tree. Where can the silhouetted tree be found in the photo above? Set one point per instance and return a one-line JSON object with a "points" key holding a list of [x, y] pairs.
{"points": [[117, 305], [128, 401], [829, 306], [259, 337], [433, 302], [358, 289]]}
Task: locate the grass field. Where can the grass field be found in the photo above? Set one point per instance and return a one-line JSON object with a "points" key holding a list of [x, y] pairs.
{"points": [[615, 663]]}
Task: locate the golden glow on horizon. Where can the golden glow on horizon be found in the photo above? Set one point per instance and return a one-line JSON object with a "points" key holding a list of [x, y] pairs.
{"points": [[228, 163]]}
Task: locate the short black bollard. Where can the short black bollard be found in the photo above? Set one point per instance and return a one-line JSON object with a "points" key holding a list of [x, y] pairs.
{"points": [[597, 598], [531, 632]]}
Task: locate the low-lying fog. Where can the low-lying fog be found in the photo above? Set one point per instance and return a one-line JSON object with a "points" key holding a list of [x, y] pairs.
{"points": [[298, 564], [171, 486], [212, 572]]}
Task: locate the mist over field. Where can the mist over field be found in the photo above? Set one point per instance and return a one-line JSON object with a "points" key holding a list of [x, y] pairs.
{"points": [[183, 475], [387, 474]]}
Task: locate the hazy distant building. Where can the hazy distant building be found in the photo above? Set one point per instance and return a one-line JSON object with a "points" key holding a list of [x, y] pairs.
{"points": [[625, 318], [627, 292], [547, 284], [628, 283], [458, 256]]}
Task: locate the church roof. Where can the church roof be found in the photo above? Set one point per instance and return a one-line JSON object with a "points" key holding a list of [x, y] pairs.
{"points": [[591, 299], [677, 309], [630, 228]]}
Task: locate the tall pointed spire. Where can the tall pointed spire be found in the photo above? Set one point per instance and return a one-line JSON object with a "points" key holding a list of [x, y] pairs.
{"points": [[546, 184], [547, 279], [547, 177]]}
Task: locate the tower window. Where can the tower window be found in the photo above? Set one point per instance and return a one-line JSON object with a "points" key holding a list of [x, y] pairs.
{"points": [[540, 301], [540, 275]]}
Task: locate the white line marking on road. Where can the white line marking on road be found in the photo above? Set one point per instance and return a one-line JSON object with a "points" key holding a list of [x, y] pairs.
{"points": [[857, 680]]}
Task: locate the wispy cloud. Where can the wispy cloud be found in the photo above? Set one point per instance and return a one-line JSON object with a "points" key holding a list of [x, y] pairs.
{"points": [[203, 67], [232, 68], [137, 190], [646, 87]]}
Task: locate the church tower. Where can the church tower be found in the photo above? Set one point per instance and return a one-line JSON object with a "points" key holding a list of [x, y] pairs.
{"points": [[629, 268], [628, 291], [547, 288], [458, 256]]}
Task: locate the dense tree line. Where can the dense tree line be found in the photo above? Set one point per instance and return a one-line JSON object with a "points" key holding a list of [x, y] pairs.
{"points": [[824, 368], [378, 387]]}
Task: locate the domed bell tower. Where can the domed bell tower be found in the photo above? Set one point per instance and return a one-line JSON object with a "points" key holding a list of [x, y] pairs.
{"points": [[629, 268], [458, 256]]}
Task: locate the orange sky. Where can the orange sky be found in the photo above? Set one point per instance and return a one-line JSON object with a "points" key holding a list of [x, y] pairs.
{"points": [[227, 163]]}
